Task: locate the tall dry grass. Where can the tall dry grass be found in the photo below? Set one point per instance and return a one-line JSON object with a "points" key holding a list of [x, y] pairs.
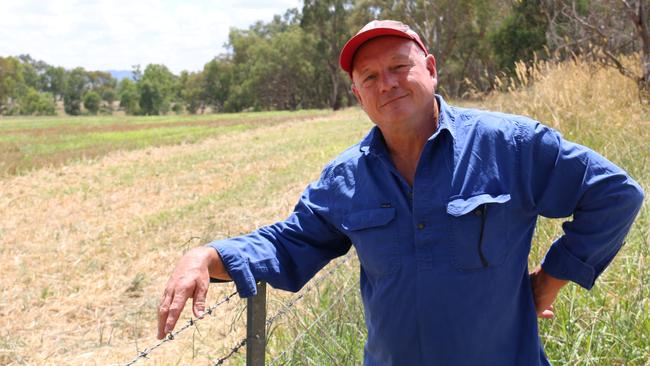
{"points": [[599, 108]]}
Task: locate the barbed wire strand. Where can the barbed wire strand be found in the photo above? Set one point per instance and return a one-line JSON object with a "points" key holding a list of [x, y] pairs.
{"points": [[234, 350], [317, 320], [170, 337], [285, 308]]}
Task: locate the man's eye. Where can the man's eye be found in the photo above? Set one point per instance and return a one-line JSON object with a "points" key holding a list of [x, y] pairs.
{"points": [[368, 80]]}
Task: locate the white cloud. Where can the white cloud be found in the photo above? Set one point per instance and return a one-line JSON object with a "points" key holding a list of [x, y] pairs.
{"points": [[116, 34]]}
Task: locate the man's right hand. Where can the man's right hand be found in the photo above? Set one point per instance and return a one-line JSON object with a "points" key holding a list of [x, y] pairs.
{"points": [[189, 279]]}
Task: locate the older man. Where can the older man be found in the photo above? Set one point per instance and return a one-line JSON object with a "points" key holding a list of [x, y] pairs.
{"points": [[440, 204]]}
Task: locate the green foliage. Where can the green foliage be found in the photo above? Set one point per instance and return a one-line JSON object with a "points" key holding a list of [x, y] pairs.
{"points": [[74, 89], [216, 82], [521, 35], [92, 102], [129, 96], [156, 89], [29, 86], [37, 103], [329, 23], [192, 92], [54, 80], [11, 80]]}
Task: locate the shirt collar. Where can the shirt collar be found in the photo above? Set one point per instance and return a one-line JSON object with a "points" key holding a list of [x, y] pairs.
{"points": [[374, 140]]}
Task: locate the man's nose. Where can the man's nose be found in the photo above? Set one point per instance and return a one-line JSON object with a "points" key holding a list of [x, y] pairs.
{"points": [[387, 81]]}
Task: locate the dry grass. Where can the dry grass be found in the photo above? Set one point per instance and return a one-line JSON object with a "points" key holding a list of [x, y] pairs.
{"points": [[609, 325], [87, 247]]}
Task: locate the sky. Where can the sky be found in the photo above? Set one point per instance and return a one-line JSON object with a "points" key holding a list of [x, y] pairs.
{"points": [[117, 34]]}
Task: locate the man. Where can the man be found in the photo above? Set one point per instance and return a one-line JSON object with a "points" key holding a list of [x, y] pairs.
{"points": [[440, 203]]}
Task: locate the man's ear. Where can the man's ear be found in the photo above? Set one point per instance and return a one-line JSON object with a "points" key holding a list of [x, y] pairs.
{"points": [[355, 91], [431, 66]]}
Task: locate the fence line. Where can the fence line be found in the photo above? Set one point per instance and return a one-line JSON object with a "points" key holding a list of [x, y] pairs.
{"points": [[313, 284], [170, 337], [285, 309]]}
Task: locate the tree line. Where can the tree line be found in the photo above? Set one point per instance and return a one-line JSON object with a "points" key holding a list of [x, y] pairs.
{"points": [[291, 62]]}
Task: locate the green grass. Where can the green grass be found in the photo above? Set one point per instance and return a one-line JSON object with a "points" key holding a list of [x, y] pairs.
{"points": [[37, 123], [28, 143]]}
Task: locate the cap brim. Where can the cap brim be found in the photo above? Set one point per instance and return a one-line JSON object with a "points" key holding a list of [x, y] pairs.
{"points": [[351, 47]]}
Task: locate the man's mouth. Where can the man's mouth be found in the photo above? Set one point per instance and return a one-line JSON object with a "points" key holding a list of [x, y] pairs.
{"points": [[393, 100]]}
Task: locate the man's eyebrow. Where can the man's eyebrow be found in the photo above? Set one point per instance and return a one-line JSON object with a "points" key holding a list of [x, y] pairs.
{"points": [[364, 70], [400, 57]]}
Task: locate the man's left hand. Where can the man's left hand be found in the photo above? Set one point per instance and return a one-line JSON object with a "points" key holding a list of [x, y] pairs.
{"points": [[545, 291]]}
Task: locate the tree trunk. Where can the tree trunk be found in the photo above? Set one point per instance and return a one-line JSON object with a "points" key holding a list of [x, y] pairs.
{"points": [[335, 100]]}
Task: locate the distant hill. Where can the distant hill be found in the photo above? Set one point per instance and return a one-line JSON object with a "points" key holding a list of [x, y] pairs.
{"points": [[121, 74]]}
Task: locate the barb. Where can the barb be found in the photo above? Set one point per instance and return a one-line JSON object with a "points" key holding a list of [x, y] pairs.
{"points": [[285, 308], [234, 350], [172, 335]]}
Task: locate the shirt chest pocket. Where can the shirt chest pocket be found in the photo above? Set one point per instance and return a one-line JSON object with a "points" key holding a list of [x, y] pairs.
{"points": [[480, 231], [374, 235]]}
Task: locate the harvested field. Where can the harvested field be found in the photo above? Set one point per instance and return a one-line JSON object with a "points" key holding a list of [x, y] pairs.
{"points": [[88, 246]]}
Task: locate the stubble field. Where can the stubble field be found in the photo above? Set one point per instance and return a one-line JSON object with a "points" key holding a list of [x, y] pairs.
{"points": [[95, 211]]}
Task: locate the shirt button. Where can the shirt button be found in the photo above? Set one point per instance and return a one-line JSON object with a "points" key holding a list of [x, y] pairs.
{"points": [[421, 225]]}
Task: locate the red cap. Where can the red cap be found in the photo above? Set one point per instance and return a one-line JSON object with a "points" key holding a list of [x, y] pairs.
{"points": [[374, 29]]}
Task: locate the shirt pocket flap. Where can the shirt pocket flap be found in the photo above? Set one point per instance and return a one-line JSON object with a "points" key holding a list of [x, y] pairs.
{"points": [[462, 206], [368, 218]]}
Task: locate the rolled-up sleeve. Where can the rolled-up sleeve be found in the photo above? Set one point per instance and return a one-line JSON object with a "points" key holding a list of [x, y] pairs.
{"points": [[563, 179], [288, 253]]}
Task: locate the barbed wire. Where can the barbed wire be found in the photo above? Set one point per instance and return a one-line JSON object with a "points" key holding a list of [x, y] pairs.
{"points": [[172, 335], [192, 322], [234, 350], [285, 309]]}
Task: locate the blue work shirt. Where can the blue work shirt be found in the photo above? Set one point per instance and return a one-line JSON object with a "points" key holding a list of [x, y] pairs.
{"points": [[444, 274]]}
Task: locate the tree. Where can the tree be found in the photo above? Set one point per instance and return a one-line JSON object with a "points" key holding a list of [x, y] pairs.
{"points": [[129, 97], [192, 91], [604, 30], [521, 35], [108, 95], [35, 102], [217, 78], [54, 81], [11, 83], [75, 86], [329, 22], [455, 31], [92, 102], [156, 87]]}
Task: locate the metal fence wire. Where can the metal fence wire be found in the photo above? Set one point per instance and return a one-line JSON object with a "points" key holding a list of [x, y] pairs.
{"points": [[257, 323]]}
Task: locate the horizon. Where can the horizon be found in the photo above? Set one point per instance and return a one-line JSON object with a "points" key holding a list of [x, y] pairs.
{"points": [[104, 35]]}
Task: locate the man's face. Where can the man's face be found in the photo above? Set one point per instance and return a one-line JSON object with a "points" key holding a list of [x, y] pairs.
{"points": [[394, 82]]}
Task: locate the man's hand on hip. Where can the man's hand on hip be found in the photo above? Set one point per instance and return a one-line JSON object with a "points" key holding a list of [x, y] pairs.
{"points": [[545, 291], [189, 279]]}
